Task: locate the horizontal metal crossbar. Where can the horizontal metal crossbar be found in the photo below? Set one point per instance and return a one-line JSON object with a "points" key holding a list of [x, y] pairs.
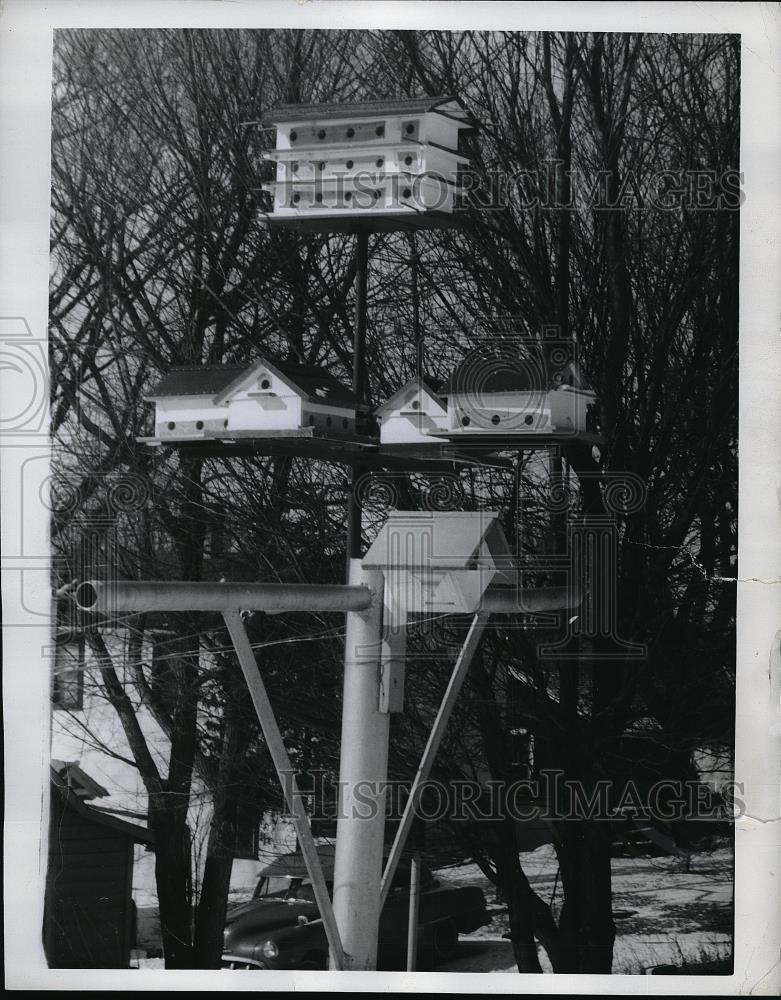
{"points": [[131, 596], [136, 596]]}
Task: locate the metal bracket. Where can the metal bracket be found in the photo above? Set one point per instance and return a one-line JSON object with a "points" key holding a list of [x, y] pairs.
{"points": [[286, 774], [457, 678]]}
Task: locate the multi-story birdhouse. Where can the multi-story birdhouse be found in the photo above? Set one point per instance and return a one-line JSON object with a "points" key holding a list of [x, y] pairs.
{"points": [[412, 415], [518, 399], [265, 398], [388, 161]]}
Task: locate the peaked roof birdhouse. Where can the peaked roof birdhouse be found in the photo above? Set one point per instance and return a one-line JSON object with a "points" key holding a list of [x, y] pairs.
{"points": [[267, 397], [384, 164], [441, 561], [412, 414], [504, 395]]}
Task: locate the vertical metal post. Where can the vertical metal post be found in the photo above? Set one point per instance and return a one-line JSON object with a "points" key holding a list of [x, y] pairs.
{"points": [[360, 826], [416, 329], [412, 925], [360, 389]]}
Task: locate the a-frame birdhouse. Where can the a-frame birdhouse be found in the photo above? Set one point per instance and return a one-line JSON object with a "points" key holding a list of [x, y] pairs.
{"points": [[441, 561], [412, 414]]}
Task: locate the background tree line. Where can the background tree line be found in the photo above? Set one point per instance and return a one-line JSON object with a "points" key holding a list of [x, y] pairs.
{"points": [[160, 257]]}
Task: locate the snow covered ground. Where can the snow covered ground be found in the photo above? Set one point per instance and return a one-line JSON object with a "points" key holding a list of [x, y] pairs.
{"points": [[664, 914]]}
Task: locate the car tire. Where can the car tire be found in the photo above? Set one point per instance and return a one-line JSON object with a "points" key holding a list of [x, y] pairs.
{"points": [[445, 940]]}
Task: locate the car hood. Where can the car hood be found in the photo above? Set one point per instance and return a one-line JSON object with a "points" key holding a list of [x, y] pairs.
{"points": [[259, 914]]}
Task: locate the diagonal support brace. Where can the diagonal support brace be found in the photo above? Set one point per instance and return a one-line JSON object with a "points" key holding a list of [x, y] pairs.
{"points": [[284, 769], [455, 683]]}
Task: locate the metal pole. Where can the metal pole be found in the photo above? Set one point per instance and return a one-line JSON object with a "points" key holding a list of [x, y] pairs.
{"points": [[412, 925], [284, 769], [460, 670], [360, 828], [112, 596], [129, 596], [416, 329], [360, 386], [514, 601], [360, 389]]}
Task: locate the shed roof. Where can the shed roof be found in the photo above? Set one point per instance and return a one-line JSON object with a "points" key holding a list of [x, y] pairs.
{"points": [[139, 834], [79, 781], [366, 109]]}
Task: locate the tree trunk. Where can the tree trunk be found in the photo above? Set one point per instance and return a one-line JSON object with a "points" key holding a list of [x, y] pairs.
{"points": [[513, 886], [173, 877], [213, 904], [586, 929]]}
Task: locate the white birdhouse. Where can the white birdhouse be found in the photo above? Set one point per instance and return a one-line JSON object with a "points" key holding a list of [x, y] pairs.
{"points": [[265, 398], [382, 161], [487, 399], [441, 561], [412, 415]]}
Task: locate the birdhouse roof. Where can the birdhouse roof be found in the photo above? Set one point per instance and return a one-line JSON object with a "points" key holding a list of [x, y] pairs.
{"points": [[196, 380], [451, 540], [220, 381], [429, 386], [525, 372], [449, 106], [315, 384]]}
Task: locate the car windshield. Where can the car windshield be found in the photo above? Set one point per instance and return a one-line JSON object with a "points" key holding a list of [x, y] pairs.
{"points": [[286, 888]]}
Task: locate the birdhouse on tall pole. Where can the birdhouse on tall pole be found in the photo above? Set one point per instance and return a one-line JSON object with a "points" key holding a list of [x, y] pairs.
{"points": [[442, 561], [385, 164], [412, 415], [519, 396]]}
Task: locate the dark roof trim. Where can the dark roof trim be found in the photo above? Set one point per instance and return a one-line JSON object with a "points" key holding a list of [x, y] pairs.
{"points": [[365, 109], [139, 834], [317, 385], [314, 384], [424, 383], [195, 380]]}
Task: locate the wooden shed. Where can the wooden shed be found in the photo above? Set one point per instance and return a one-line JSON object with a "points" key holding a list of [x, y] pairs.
{"points": [[89, 918]]}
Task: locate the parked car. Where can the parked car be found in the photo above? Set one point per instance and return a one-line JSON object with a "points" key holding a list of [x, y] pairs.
{"points": [[280, 927]]}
